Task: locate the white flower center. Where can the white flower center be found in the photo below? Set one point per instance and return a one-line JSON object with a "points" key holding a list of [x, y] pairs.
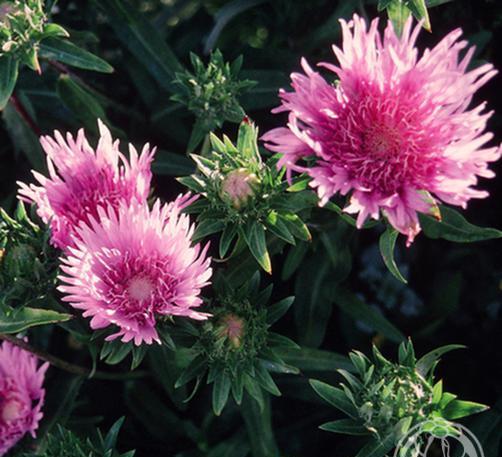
{"points": [[140, 288], [11, 410]]}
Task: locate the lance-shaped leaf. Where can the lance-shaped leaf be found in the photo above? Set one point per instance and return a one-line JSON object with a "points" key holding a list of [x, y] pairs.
{"points": [[335, 397], [345, 426], [387, 244], [457, 409], [19, 320], [66, 52], [8, 78], [454, 227], [425, 363], [254, 234]]}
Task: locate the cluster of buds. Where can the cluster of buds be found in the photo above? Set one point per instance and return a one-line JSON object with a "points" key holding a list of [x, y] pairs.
{"points": [[236, 348], [211, 93], [23, 25], [245, 197], [385, 399]]}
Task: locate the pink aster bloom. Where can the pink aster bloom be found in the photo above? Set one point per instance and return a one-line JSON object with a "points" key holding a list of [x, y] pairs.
{"points": [[82, 180], [396, 130], [21, 394], [133, 265]]}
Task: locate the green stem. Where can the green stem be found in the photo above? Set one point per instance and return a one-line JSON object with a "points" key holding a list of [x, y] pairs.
{"points": [[67, 366], [259, 427]]}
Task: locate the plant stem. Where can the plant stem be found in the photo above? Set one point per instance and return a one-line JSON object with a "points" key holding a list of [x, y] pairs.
{"points": [[18, 106], [67, 366]]}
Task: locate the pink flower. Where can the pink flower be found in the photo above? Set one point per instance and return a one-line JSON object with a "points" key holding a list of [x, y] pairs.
{"points": [[134, 265], [83, 180], [395, 131], [21, 395]]}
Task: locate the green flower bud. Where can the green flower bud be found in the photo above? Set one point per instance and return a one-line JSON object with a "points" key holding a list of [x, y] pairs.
{"points": [[238, 187]]}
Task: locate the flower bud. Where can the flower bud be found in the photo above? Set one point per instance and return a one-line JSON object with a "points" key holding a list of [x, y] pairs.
{"points": [[239, 187], [232, 327]]}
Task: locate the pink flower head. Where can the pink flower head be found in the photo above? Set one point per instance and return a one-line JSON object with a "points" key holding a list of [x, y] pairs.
{"points": [[395, 130], [83, 180], [133, 265], [21, 394]]}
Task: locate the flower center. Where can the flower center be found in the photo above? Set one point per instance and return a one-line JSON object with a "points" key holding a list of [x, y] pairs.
{"points": [[11, 410], [382, 141], [233, 328], [140, 288]]}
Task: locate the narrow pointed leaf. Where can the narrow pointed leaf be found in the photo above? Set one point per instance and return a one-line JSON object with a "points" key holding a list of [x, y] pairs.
{"points": [[387, 244], [461, 408], [66, 52], [24, 318], [425, 363], [454, 227], [335, 397], [277, 310], [221, 389], [345, 426], [255, 239], [358, 310], [8, 77]]}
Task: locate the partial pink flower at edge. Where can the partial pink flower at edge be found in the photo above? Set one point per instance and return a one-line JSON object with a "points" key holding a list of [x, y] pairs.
{"points": [[82, 179], [395, 132], [130, 267], [21, 395]]}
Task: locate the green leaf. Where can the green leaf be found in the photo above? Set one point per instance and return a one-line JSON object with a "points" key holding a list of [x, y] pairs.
{"points": [[266, 381], [398, 13], [454, 227], [253, 388], [294, 259], [115, 351], [80, 102], [221, 389], [387, 244], [433, 3], [277, 310], [309, 359], [258, 421], [66, 52], [171, 164], [457, 409], [276, 341], [278, 227], [112, 435], [382, 4], [196, 368], [335, 397], [207, 227], [425, 363], [247, 140], [377, 448], [358, 310], [345, 426], [226, 239], [419, 10], [23, 137], [224, 16], [295, 225], [22, 319], [255, 239], [55, 30], [9, 68], [142, 39], [192, 182]]}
